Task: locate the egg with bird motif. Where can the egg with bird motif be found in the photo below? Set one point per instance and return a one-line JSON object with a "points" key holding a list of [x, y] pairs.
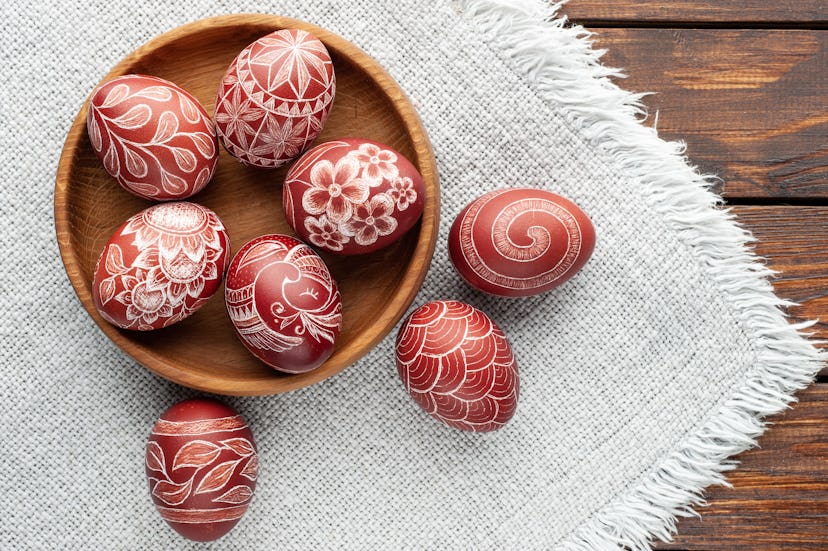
{"points": [[284, 303]]}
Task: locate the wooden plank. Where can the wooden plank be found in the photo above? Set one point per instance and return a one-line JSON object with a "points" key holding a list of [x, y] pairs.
{"points": [[779, 498], [699, 11], [794, 241], [780, 494], [752, 105]]}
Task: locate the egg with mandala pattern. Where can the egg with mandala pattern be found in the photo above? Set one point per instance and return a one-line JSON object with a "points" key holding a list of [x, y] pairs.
{"points": [[275, 98], [458, 366], [352, 196], [202, 464], [520, 241], [152, 136], [283, 303], [160, 266]]}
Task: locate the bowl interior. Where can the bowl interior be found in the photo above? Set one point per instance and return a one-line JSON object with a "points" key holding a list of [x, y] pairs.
{"points": [[202, 351]]}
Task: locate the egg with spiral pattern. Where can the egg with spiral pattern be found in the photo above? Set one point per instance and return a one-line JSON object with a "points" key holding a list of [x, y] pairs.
{"points": [[458, 366], [520, 242]]}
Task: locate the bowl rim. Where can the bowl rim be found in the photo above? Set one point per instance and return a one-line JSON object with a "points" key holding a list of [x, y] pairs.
{"points": [[413, 276]]}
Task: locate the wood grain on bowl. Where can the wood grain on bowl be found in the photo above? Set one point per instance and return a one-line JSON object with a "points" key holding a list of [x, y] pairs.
{"points": [[203, 352]]}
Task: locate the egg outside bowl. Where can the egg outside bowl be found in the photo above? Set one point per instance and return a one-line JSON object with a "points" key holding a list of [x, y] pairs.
{"points": [[202, 351]]}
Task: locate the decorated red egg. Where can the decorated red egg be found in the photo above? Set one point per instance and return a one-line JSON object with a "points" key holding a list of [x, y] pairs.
{"points": [[275, 98], [456, 363], [284, 303], [352, 196], [160, 266], [202, 465], [520, 241], [153, 137]]}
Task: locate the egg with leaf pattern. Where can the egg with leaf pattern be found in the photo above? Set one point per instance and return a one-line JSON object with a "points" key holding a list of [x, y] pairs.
{"points": [[152, 136], [202, 466]]}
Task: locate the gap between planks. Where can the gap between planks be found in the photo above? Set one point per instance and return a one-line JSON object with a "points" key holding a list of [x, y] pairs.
{"points": [[773, 201], [706, 25]]}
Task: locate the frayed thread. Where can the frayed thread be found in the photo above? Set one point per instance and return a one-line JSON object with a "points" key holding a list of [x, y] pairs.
{"points": [[559, 60]]}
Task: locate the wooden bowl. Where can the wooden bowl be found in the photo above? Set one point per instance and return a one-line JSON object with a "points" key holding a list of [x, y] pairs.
{"points": [[202, 351]]}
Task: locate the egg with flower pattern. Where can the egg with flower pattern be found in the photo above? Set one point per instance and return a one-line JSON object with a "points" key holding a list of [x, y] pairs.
{"points": [[352, 196], [275, 98], [202, 465], [152, 136], [458, 366], [160, 266]]}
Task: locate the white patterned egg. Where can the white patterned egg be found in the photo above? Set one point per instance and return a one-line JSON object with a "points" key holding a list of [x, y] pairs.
{"points": [[160, 266], [283, 303], [458, 366], [520, 242], [202, 466], [275, 98], [152, 136], [353, 196]]}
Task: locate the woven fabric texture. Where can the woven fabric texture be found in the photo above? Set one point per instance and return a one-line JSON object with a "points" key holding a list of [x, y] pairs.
{"points": [[619, 367]]}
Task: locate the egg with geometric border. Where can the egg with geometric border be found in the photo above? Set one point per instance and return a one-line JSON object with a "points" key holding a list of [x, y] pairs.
{"points": [[275, 98], [202, 465]]}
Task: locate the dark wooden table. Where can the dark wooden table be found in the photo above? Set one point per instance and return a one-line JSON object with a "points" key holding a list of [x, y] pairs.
{"points": [[745, 84]]}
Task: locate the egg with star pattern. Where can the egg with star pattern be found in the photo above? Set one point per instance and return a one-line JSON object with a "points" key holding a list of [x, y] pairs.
{"points": [[275, 98]]}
